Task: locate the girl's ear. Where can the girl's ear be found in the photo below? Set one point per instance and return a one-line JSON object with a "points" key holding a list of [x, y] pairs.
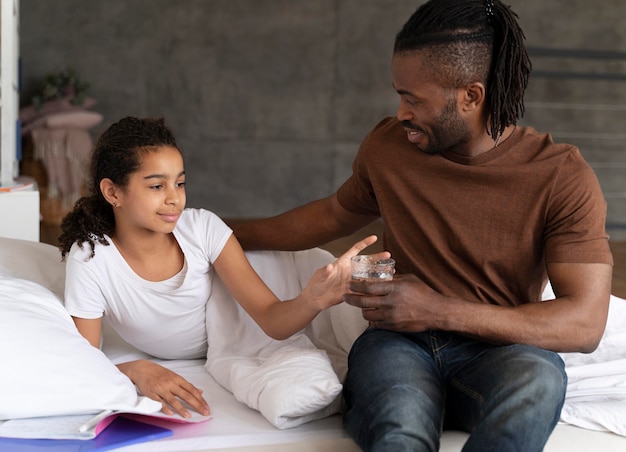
{"points": [[110, 191]]}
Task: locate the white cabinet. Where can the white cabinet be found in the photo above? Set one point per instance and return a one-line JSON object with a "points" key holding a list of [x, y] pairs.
{"points": [[19, 214]]}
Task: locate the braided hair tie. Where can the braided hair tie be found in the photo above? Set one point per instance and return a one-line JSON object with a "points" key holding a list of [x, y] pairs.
{"points": [[489, 8]]}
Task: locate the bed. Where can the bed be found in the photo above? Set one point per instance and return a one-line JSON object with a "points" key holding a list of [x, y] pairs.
{"points": [[264, 394]]}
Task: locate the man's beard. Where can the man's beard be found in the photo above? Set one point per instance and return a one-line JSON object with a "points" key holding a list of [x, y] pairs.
{"points": [[447, 130]]}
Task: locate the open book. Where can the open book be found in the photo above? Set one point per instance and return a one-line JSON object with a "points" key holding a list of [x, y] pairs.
{"points": [[83, 426], [121, 432]]}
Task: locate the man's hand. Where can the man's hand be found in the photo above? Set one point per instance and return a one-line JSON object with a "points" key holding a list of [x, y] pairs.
{"points": [[403, 304], [165, 386]]}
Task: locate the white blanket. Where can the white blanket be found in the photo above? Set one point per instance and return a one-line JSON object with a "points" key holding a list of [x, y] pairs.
{"points": [[596, 390]]}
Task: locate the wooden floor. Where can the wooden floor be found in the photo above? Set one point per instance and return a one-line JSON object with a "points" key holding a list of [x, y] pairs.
{"points": [[50, 233]]}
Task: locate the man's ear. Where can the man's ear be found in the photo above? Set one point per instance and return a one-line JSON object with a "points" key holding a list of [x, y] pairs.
{"points": [[473, 96], [110, 191]]}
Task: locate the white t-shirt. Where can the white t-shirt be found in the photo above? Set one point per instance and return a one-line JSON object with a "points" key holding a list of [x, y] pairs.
{"points": [[165, 319]]}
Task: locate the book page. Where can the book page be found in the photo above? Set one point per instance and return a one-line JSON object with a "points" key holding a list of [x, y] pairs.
{"points": [[52, 427], [84, 426]]}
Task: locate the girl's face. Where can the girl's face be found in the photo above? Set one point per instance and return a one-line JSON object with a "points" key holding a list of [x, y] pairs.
{"points": [[155, 195]]}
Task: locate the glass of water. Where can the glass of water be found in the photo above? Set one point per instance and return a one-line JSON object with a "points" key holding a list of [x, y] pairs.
{"points": [[368, 268]]}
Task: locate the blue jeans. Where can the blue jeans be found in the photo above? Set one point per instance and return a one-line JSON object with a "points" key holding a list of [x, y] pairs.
{"points": [[403, 389]]}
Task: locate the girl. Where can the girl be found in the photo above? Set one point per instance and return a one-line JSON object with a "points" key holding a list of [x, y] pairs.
{"points": [[137, 256]]}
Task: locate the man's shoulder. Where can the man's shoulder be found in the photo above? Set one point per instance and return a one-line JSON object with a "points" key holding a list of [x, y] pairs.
{"points": [[388, 133], [387, 124], [543, 140], [540, 146]]}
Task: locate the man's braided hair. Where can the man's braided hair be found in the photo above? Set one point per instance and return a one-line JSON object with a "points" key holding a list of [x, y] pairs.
{"points": [[473, 40]]}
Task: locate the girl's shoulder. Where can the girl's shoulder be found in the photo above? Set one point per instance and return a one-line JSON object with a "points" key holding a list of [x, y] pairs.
{"points": [[82, 262], [194, 218], [201, 229], [85, 251]]}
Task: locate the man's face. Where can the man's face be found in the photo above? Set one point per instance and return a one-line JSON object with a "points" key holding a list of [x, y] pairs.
{"points": [[428, 111]]}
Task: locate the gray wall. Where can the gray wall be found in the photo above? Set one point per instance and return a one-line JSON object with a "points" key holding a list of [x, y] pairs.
{"points": [[269, 99]]}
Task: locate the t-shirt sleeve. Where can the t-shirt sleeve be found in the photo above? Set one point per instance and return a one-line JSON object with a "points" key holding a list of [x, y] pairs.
{"points": [[576, 223], [357, 193], [83, 294]]}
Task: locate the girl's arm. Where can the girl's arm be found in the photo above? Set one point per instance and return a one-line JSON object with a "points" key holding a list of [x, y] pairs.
{"points": [[152, 379], [90, 329], [280, 320]]}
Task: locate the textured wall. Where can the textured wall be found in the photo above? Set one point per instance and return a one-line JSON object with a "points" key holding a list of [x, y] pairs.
{"points": [[270, 98]]}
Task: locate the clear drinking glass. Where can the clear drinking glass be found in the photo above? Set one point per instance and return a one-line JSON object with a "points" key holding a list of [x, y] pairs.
{"points": [[368, 268]]}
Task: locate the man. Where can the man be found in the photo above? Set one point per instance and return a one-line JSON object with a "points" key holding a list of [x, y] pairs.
{"points": [[478, 214]]}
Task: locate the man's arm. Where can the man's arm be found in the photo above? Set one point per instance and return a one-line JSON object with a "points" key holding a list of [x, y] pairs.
{"points": [[307, 226], [572, 322]]}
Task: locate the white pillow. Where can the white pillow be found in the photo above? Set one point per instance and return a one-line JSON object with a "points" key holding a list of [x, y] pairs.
{"points": [[48, 368], [292, 386], [289, 382], [34, 261]]}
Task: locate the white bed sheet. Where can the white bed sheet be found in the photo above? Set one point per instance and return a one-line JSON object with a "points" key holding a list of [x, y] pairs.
{"points": [[236, 428], [233, 424]]}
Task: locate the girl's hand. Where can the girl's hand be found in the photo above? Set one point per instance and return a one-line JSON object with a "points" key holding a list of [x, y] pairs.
{"points": [[328, 284], [165, 386]]}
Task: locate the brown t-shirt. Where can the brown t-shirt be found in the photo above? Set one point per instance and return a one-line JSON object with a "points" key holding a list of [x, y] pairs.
{"points": [[480, 228]]}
